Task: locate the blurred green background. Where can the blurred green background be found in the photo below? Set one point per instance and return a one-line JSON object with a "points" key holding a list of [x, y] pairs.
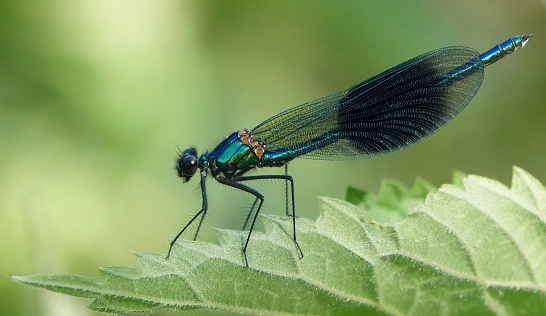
{"points": [[96, 95]]}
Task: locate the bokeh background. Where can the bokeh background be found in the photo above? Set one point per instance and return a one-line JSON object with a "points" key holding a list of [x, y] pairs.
{"points": [[95, 96]]}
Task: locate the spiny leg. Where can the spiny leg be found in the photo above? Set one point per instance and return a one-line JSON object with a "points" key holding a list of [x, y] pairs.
{"points": [[250, 213], [202, 212], [293, 215], [258, 196], [286, 192], [293, 207], [291, 179], [287, 179]]}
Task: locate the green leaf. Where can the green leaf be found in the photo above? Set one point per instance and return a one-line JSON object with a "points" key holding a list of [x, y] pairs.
{"points": [[355, 196], [393, 201], [478, 248], [458, 177]]}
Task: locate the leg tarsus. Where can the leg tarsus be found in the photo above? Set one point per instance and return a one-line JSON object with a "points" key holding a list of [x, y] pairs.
{"points": [[285, 177], [250, 213], [202, 212], [252, 228], [182, 231], [233, 183]]}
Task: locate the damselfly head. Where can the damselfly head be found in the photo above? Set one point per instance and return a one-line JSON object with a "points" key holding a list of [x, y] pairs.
{"points": [[186, 164]]}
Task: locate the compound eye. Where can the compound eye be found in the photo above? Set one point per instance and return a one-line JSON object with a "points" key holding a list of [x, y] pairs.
{"points": [[190, 152], [189, 165]]}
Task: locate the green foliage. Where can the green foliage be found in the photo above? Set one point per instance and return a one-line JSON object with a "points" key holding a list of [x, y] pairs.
{"points": [[478, 248], [393, 201]]}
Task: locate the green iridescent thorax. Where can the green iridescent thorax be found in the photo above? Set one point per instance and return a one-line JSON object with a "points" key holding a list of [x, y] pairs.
{"points": [[232, 156], [238, 153]]}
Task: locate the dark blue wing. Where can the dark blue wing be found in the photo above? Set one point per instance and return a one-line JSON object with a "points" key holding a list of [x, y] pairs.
{"points": [[388, 112]]}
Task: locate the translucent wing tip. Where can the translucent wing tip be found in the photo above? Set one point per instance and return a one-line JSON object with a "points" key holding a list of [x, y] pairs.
{"points": [[525, 38]]}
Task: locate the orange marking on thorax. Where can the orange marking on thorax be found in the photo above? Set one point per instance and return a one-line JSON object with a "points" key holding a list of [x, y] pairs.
{"points": [[259, 152], [258, 148], [246, 138]]}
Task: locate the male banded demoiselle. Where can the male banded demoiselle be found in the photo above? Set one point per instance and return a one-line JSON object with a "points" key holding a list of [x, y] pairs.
{"points": [[391, 111]]}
